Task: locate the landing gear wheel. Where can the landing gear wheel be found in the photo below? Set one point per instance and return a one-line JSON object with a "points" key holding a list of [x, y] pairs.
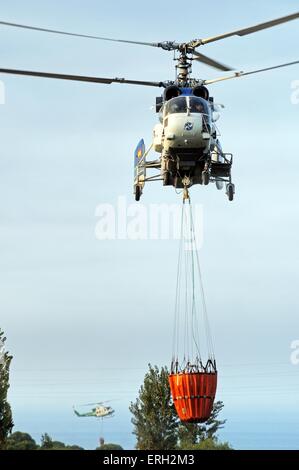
{"points": [[230, 191], [205, 177], [137, 193]]}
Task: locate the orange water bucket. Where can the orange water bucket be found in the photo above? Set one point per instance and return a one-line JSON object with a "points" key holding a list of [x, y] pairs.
{"points": [[193, 395]]}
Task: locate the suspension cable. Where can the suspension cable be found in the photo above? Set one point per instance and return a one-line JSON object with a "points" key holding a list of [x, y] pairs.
{"points": [[187, 332]]}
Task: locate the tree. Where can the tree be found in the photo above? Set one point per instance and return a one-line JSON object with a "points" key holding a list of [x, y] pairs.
{"points": [[191, 434], [47, 443], [20, 441], [210, 444], [6, 422], [154, 419], [109, 446], [23, 441], [157, 426], [211, 427]]}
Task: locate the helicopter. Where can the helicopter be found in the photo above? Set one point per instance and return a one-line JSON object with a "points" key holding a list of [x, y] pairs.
{"points": [[99, 410], [186, 136]]}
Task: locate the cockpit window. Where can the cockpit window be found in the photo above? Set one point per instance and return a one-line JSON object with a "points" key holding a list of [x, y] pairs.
{"points": [[182, 104], [176, 105], [198, 105]]}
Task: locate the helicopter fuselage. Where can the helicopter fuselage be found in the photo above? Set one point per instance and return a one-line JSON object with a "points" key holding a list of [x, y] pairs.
{"points": [[183, 137], [186, 138]]}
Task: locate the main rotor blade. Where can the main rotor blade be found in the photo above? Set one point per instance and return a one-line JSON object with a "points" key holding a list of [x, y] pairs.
{"points": [[80, 78], [90, 404], [98, 403], [213, 63], [244, 74], [251, 29], [55, 31]]}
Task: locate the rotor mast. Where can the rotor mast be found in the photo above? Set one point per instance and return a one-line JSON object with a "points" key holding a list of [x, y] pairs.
{"points": [[183, 67], [187, 52]]}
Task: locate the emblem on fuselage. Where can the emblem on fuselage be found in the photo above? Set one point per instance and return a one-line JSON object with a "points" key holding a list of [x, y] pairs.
{"points": [[188, 126]]}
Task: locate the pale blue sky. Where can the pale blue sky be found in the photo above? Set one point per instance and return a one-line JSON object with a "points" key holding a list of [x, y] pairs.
{"points": [[75, 309]]}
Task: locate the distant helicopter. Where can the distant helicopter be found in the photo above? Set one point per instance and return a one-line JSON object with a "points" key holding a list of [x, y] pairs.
{"points": [[186, 137], [98, 411]]}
